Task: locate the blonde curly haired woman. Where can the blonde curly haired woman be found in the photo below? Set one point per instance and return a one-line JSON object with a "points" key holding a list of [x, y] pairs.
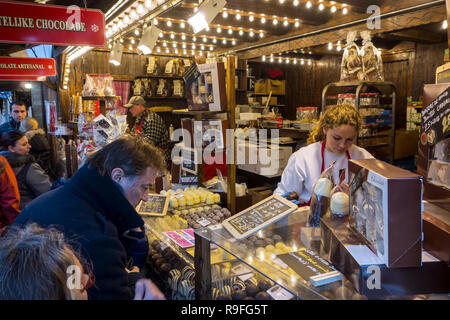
{"points": [[332, 139]]}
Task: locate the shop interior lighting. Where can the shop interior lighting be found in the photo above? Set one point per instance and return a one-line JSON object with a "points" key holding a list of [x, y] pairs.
{"points": [[444, 24], [115, 56], [308, 4], [296, 2], [321, 7], [148, 40], [207, 11]]}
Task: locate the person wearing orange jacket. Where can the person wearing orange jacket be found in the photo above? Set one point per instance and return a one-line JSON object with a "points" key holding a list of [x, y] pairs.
{"points": [[9, 195]]}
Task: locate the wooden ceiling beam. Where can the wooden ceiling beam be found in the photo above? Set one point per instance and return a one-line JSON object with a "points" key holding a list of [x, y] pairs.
{"points": [[399, 22], [416, 35], [360, 5]]}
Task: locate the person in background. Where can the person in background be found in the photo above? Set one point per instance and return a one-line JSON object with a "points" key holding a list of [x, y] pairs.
{"points": [[9, 195], [38, 264], [40, 148], [149, 125], [31, 178], [332, 139], [97, 208], [18, 113]]}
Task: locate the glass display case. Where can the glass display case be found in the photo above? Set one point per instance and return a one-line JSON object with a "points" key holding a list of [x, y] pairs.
{"points": [[219, 267]]}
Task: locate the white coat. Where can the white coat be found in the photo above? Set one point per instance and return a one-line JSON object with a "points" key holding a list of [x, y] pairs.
{"points": [[304, 168]]}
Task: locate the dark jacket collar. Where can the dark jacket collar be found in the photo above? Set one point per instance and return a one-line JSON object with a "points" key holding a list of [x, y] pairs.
{"points": [[104, 195], [16, 160]]}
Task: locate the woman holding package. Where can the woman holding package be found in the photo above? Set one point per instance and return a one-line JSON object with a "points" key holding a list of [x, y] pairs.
{"points": [[332, 140], [31, 178]]}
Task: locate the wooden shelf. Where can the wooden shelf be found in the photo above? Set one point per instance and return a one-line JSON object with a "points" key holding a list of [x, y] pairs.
{"points": [[266, 94], [104, 98], [159, 77], [197, 113], [165, 98], [374, 136]]}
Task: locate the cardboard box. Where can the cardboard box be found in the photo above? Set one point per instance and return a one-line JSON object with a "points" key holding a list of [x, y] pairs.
{"points": [[386, 211], [362, 267], [261, 86], [406, 143], [206, 90], [276, 86]]}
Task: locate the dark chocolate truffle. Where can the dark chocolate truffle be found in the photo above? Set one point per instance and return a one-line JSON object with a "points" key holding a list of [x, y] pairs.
{"points": [[197, 226], [238, 295], [224, 297], [262, 296], [159, 262], [264, 285], [251, 289], [277, 238], [260, 243], [155, 244], [156, 256], [166, 267], [269, 241]]}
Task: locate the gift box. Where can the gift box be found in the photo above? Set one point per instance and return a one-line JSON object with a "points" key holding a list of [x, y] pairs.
{"points": [[386, 211]]}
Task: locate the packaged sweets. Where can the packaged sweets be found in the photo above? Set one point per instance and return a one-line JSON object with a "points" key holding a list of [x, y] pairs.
{"points": [[103, 130], [170, 68], [152, 66], [98, 85], [178, 88], [320, 197], [371, 59], [138, 87], [351, 66], [163, 88]]}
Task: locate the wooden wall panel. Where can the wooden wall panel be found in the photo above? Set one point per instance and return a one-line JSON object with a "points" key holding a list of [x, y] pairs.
{"points": [[428, 58]]}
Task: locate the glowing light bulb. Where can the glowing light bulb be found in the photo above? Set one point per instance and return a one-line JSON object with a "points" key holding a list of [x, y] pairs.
{"points": [[321, 6], [193, 46], [194, 38], [230, 31], [295, 61], [280, 60], [271, 59], [167, 50], [263, 58], [233, 42], [132, 41], [286, 23], [161, 35], [172, 36], [275, 21], [297, 24], [251, 18], [296, 2], [330, 46], [444, 24], [174, 45], [204, 39], [219, 29], [344, 11], [184, 45], [225, 14], [224, 41], [288, 61], [136, 32], [155, 22], [211, 48], [182, 25], [169, 23], [183, 37], [261, 34], [214, 40], [140, 9], [241, 32], [333, 9], [308, 4], [263, 20], [159, 49], [238, 16]]}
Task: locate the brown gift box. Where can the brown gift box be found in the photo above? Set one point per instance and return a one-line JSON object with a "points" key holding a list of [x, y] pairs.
{"points": [[386, 211]]}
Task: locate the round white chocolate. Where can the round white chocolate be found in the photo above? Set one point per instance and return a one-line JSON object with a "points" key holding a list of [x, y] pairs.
{"points": [[339, 203], [323, 187]]}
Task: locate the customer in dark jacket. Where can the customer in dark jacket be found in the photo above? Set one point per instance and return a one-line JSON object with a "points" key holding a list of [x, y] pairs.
{"points": [[18, 113], [32, 180], [97, 206]]}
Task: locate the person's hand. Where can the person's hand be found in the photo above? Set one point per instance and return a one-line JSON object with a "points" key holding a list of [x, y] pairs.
{"points": [[147, 290]]}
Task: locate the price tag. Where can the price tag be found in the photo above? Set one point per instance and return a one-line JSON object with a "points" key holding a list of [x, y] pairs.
{"points": [[245, 277], [240, 269], [204, 222], [279, 262], [164, 246], [278, 293]]}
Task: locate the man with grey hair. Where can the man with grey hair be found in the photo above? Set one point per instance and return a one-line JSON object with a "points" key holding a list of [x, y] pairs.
{"points": [[96, 207]]}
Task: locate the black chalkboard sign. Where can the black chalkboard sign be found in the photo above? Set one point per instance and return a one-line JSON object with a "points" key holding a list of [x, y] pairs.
{"points": [[156, 205], [258, 216], [189, 160], [310, 266]]}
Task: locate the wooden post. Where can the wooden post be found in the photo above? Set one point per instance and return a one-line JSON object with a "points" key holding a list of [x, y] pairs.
{"points": [[447, 5], [202, 264], [231, 143], [68, 150]]}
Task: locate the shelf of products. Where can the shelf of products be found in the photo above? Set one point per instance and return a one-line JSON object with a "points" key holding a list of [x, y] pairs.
{"points": [[378, 114]]}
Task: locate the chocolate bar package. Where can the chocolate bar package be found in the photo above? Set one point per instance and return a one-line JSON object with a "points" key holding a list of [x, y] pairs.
{"points": [[386, 211]]}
